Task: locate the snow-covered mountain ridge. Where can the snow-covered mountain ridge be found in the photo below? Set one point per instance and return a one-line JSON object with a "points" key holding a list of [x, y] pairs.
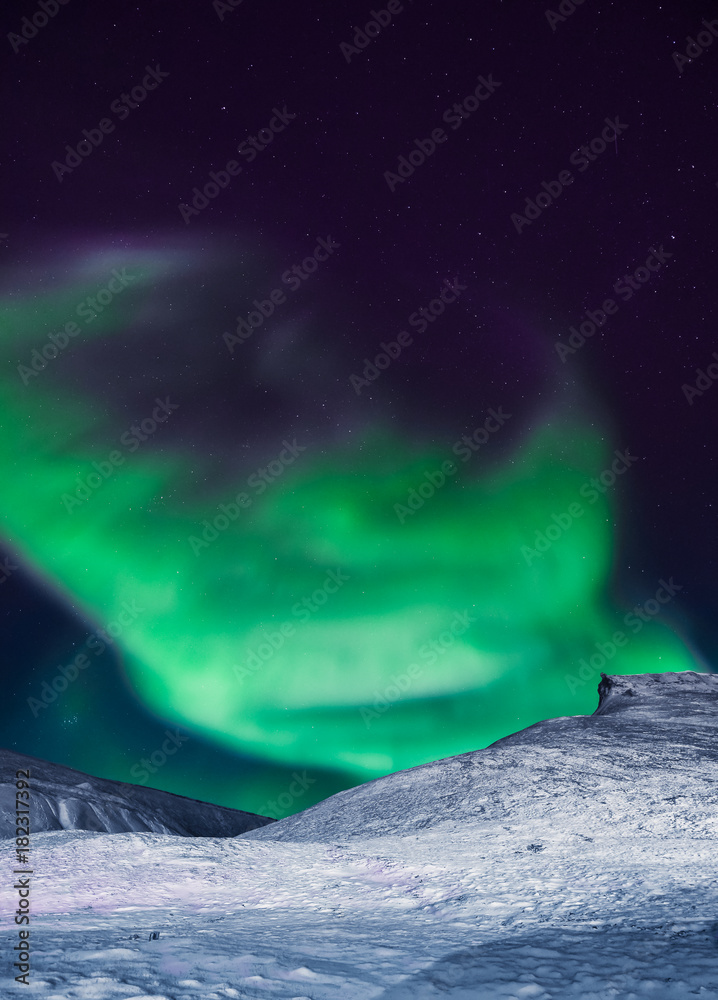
{"points": [[646, 761], [65, 799], [570, 861]]}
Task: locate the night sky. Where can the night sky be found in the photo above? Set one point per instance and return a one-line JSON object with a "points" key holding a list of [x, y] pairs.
{"points": [[357, 379]]}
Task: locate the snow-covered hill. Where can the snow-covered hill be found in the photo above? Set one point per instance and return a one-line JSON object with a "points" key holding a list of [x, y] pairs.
{"points": [[645, 762], [572, 861], [65, 799]]}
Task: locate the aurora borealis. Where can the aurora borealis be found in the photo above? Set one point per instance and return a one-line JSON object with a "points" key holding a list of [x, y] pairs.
{"points": [[303, 611], [299, 573]]}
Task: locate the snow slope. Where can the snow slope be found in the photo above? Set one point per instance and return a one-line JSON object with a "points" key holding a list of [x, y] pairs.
{"points": [[65, 799], [646, 760], [572, 860]]}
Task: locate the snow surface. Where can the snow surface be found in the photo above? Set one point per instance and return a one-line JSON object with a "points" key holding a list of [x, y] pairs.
{"points": [[65, 799], [595, 880]]}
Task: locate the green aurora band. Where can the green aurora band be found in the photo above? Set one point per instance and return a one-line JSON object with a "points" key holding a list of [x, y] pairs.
{"points": [[340, 690]]}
